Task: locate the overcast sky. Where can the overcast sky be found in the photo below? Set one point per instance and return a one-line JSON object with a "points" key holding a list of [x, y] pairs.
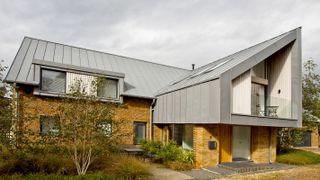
{"points": [[176, 33]]}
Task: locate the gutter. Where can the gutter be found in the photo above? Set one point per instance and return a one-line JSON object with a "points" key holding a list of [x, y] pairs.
{"points": [[151, 118]]}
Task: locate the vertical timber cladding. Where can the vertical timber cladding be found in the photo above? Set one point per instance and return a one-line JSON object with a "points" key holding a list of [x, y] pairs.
{"points": [[260, 144], [225, 143]]}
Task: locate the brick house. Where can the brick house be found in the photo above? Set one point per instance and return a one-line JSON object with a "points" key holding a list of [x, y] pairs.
{"points": [[228, 110]]}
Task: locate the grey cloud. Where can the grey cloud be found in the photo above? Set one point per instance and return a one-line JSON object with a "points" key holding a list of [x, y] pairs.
{"points": [[171, 32]]}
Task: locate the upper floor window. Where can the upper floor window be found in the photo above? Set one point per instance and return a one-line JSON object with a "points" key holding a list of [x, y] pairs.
{"points": [[53, 81], [108, 89]]}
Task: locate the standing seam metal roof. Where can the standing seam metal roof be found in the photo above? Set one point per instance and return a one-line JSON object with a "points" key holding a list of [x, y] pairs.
{"points": [[142, 78], [219, 66]]}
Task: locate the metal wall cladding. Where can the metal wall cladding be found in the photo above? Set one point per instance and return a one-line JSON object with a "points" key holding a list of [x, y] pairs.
{"points": [[196, 104], [142, 78]]}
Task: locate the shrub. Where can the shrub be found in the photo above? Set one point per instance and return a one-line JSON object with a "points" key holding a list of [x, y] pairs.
{"points": [[95, 176], [186, 156], [171, 154], [151, 148], [130, 167], [18, 162]]}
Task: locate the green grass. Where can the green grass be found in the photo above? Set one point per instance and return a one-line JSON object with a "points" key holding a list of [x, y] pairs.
{"points": [[298, 157]]}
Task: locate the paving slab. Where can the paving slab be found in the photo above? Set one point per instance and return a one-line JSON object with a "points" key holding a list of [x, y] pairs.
{"points": [[162, 173], [207, 173]]}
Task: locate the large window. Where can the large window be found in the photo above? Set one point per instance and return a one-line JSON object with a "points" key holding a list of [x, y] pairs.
{"points": [[49, 125], [108, 89], [139, 132], [53, 81], [182, 135]]}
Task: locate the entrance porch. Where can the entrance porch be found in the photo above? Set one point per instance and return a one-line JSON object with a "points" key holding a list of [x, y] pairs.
{"points": [[214, 144]]}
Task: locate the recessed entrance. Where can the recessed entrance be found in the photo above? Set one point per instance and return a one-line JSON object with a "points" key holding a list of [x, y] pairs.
{"points": [[241, 143]]}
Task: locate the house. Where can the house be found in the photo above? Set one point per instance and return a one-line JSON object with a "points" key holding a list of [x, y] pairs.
{"points": [[311, 137], [228, 110]]}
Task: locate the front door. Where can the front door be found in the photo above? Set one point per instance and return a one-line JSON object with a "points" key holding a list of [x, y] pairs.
{"points": [[241, 143]]}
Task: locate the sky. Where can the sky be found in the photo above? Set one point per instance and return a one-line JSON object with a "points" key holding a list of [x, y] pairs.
{"points": [[171, 32]]}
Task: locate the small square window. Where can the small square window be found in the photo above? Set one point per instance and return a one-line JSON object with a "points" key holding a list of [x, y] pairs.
{"points": [[49, 125], [108, 89], [105, 127]]}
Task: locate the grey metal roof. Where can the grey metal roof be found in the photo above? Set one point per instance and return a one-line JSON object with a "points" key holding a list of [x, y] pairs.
{"points": [[142, 78], [215, 69]]}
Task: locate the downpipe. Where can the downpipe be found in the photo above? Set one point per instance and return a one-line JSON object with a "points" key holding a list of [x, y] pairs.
{"points": [[151, 118]]}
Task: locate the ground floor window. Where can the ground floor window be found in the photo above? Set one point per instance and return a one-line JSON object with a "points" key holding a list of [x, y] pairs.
{"points": [[105, 127], [187, 141], [139, 132], [49, 125], [182, 135]]}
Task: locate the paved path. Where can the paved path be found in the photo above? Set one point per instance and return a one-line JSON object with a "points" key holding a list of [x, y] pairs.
{"points": [[161, 173]]}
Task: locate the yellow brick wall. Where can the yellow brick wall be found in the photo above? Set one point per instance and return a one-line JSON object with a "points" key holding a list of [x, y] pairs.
{"points": [[133, 110], [315, 138], [260, 144], [157, 133], [205, 157]]}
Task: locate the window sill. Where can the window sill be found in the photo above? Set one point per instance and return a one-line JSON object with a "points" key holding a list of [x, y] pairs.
{"points": [[63, 95]]}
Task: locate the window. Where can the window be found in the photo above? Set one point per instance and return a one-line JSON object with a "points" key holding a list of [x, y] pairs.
{"points": [[139, 132], [105, 127], [53, 81], [108, 89], [49, 125]]}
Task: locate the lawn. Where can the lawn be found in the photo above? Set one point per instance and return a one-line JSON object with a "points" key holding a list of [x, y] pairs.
{"points": [[298, 157]]}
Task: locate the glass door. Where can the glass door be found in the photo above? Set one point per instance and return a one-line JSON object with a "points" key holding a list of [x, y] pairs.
{"points": [[258, 99]]}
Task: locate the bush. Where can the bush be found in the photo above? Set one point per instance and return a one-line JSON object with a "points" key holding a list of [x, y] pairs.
{"points": [[151, 148], [95, 176], [19, 162], [171, 154], [130, 167]]}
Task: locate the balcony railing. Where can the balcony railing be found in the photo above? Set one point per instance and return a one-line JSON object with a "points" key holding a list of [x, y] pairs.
{"points": [[274, 107]]}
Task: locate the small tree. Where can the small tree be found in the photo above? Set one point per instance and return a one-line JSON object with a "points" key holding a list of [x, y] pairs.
{"points": [[311, 95], [87, 128], [5, 108], [288, 137]]}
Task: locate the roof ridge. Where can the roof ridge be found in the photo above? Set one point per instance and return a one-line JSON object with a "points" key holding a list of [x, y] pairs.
{"points": [[87, 49]]}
